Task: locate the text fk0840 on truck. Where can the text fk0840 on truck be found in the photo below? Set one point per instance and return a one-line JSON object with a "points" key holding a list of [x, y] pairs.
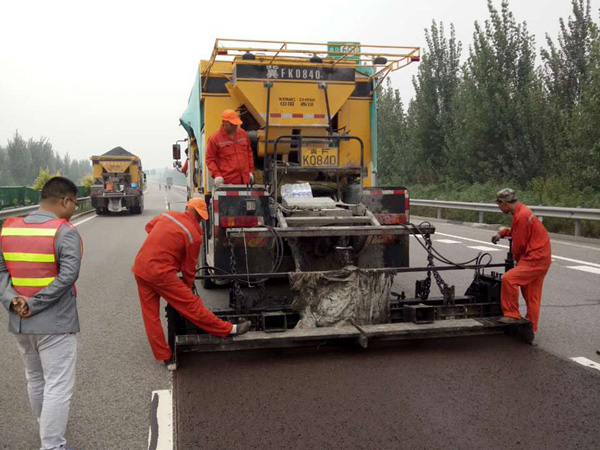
{"points": [[315, 216], [118, 182]]}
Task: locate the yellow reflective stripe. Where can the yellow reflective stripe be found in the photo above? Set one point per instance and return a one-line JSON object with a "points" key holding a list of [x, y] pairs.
{"points": [[29, 257], [10, 231], [32, 281]]}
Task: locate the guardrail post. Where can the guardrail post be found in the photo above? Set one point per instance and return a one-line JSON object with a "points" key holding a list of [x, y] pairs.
{"points": [[480, 216], [439, 213], [577, 227]]}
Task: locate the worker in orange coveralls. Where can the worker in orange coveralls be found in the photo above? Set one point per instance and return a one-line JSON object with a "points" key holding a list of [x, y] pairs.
{"points": [[532, 252], [229, 156], [173, 245]]}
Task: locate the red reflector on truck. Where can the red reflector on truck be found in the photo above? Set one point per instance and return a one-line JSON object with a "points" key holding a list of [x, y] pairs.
{"points": [[241, 221]]}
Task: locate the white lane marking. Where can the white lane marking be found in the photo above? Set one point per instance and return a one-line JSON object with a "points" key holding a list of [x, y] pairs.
{"points": [[84, 220], [586, 362], [160, 435], [561, 258], [587, 247], [447, 241], [585, 269], [483, 248]]}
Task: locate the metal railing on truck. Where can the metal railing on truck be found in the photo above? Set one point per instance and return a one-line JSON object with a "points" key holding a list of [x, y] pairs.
{"points": [[576, 214]]}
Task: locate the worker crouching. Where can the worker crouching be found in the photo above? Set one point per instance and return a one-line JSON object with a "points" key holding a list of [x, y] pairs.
{"points": [[172, 246]]}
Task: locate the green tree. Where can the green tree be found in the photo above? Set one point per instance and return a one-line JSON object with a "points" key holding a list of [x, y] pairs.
{"points": [[19, 160], [500, 106], [395, 159], [431, 118], [42, 178], [87, 181], [570, 71]]}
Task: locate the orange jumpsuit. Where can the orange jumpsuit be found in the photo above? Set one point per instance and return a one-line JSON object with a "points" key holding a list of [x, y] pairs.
{"points": [[531, 250], [172, 245], [230, 158]]}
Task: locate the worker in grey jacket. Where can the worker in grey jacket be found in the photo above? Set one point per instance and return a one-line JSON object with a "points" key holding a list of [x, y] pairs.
{"points": [[40, 257]]}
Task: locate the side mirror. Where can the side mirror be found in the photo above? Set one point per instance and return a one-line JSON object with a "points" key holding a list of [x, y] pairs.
{"points": [[176, 151]]}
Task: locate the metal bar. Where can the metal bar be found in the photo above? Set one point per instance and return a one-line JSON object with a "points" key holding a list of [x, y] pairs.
{"points": [[330, 231], [281, 219], [321, 220], [311, 336], [545, 211], [394, 270]]}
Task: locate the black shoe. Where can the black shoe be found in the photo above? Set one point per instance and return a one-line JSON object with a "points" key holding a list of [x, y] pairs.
{"points": [[527, 335]]}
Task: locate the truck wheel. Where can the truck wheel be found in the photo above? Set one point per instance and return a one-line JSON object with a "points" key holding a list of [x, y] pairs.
{"points": [[99, 211]]}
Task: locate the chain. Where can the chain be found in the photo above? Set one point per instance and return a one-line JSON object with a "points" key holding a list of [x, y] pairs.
{"points": [[447, 291], [424, 286], [237, 299]]}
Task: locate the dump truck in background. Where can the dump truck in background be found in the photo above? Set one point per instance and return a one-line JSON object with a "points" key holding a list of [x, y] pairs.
{"points": [[118, 182], [316, 219]]}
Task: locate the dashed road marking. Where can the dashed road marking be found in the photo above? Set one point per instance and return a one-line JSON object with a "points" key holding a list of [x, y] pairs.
{"points": [[160, 435], [483, 248], [586, 362], [84, 220], [585, 269], [559, 258], [447, 241]]}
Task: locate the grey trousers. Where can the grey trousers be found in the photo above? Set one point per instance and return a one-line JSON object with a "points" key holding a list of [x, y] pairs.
{"points": [[50, 371]]}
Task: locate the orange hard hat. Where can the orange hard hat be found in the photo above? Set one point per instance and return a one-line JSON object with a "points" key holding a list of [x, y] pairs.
{"points": [[199, 205], [229, 115]]}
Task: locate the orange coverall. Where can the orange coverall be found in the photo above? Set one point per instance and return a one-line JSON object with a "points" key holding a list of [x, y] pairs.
{"points": [[230, 158], [531, 250], [172, 245]]}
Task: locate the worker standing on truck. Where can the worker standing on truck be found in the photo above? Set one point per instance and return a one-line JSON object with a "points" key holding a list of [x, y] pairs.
{"points": [[229, 155], [532, 252], [172, 246], [40, 257]]}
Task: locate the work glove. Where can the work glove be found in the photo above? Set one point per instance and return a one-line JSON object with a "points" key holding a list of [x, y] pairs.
{"points": [[496, 238], [219, 182], [243, 326], [251, 176]]}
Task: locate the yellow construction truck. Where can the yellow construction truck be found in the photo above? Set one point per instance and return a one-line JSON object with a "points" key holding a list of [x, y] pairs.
{"points": [[316, 218], [118, 182]]}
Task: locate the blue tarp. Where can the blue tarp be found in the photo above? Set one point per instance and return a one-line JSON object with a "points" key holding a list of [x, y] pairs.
{"points": [[192, 118]]}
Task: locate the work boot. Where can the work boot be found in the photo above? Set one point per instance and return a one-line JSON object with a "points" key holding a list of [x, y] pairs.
{"points": [[508, 320], [243, 327], [527, 334], [170, 363]]}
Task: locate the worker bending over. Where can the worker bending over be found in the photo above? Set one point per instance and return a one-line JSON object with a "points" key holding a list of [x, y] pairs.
{"points": [[172, 246], [229, 156], [531, 249]]}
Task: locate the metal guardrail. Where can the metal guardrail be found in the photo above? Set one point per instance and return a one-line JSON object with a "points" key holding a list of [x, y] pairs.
{"points": [[19, 212], [576, 214]]}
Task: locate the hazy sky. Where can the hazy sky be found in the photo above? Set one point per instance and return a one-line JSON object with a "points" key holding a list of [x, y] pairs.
{"points": [[90, 76]]}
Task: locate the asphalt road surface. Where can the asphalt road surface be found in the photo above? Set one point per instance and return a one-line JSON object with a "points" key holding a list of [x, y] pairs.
{"points": [[488, 392]]}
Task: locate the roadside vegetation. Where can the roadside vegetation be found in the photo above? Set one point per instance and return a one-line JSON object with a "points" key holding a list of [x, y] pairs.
{"points": [[503, 113]]}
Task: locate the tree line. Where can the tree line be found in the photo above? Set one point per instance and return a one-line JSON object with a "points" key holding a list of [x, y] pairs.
{"points": [[505, 114], [21, 162]]}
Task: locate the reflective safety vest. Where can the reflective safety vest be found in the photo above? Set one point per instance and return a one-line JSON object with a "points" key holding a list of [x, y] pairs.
{"points": [[28, 249]]}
